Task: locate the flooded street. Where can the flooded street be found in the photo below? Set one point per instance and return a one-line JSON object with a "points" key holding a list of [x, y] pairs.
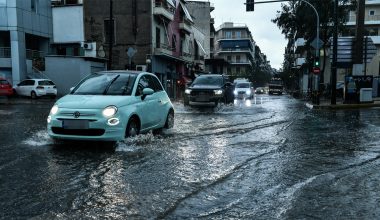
{"points": [[274, 159]]}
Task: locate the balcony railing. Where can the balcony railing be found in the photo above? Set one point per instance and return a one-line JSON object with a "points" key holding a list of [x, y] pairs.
{"points": [[164, 49], [163, 4], [33, 54], [5, 52], [366, 18]]}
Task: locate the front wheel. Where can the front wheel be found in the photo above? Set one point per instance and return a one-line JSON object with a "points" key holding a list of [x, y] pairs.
{"points": [[169, 120], [132, 128]]}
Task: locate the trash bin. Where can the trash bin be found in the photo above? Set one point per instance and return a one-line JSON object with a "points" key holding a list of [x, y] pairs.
{"points": [[366, 95]]}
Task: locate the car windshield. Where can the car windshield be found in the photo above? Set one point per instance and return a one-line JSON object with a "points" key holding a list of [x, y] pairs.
{"points": [[208, 80], [45, 83], [242, 85], [106, 84]]}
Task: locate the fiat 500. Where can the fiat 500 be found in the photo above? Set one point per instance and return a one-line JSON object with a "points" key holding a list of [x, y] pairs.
{"points": [[110, 106]]}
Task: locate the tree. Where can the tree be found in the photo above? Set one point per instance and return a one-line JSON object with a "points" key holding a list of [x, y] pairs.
{"points": [[297, 19]]}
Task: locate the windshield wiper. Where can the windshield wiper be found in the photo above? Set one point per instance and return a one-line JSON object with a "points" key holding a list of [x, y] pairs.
{"points": [[109, 85]]}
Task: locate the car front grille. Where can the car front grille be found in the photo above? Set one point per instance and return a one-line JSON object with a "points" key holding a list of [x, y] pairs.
{"points": [[78, 132], [241, 92], [202, 92]]}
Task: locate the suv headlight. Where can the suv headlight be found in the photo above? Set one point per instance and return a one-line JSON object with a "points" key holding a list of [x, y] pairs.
{"points": [[218, 92], [248, 92], [188, 91], [109, 111], [54, 110]]}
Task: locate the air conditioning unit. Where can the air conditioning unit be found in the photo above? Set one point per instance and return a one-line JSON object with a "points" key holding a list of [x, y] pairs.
{"points": [[366, 95], [141, 68], [87, 46]]}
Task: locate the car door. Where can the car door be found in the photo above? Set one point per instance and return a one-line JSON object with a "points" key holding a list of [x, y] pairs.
{"points": [[20, 88], [146, 107], [160, 100]]}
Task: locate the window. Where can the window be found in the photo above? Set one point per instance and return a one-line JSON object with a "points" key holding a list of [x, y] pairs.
{"points": [[238, 59], [156, 85], [229, 70], [34, 5], [228, 58], [237, 70], [144, 82], [158, 37], [371, 12], [174, 40], [107, 33], [228, 34], [237, 34]]}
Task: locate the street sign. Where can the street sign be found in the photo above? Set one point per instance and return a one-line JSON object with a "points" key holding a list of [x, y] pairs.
{"points": [[315, 42], [316, 70]]}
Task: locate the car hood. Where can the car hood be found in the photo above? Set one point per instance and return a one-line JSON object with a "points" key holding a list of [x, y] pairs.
{"points": [[242, 89], [205, 87], [93, 101]]}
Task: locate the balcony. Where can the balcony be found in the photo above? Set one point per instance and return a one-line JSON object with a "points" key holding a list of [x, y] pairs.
{"points": [[186, 27], [187, 56], [161, 9], [163, 49], [33, 54], [241, 62], [368, 19], [5, 52]]}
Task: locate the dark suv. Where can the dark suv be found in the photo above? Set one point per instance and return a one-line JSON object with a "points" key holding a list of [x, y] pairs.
{"points": [[209, 89]]}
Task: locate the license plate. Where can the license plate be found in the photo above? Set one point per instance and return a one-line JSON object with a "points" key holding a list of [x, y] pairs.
{"points": [[75, 124], [202, 99]]}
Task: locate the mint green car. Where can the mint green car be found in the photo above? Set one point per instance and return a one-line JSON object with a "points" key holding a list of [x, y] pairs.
{"points": [[110, 106]]}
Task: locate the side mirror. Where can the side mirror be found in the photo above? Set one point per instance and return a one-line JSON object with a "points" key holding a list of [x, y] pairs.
{"points": [[146, 92]]}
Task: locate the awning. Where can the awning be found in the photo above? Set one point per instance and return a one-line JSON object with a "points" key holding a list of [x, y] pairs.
{"points": [[200, 46], [188, 16]]}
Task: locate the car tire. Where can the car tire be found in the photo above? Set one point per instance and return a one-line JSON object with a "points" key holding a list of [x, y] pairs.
{"points": [[169, 120], [33, 95], [132, 128]]}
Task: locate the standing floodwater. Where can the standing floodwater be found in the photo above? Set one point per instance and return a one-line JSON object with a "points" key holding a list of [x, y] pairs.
{"points": [[271, 160]]}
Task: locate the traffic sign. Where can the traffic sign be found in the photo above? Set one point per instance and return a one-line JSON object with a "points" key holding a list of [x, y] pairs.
{"points": [[316, 70], [316, 43]]}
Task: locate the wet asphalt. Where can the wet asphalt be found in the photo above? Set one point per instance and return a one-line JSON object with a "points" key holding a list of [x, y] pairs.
{"points": [[273, 159]]}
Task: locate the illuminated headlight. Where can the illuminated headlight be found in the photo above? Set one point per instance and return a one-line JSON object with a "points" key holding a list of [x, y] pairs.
{"points": [[113, 121], [54, 110], [248, 92], [109, 111], [235, 92], [49, 119], [218, 92], [188, 91]]}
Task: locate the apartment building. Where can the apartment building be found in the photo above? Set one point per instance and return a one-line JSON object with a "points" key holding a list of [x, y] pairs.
{"points": [[234, 44], [25, 34]]}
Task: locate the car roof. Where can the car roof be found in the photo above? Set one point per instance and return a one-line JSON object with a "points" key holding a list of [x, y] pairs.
{"points": [[122, 71], [212, 75]]}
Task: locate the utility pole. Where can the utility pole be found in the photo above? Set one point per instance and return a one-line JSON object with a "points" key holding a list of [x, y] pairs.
{"points": [[358, 49], [110, 40], [335, 55]]}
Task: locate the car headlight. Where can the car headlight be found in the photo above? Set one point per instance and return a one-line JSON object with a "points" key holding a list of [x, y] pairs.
{"points": [[248, 92], [235, 92], [54, 110], [109, 111], [218, 92], [188, 91]]}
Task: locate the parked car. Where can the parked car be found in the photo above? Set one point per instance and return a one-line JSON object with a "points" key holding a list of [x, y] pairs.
{"points": [[209, 89], [5, 88], [110, 106], [35, 88], [244, 90], [260, 90]]}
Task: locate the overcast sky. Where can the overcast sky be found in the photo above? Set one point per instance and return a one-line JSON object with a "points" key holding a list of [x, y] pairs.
{"points": [[266, 34]]}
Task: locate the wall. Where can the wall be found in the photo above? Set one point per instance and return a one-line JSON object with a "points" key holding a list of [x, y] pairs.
{"points": [[66, 72], [68, 24]]}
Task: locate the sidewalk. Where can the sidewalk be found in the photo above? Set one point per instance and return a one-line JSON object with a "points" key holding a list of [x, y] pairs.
{"points": [[326, 105]]}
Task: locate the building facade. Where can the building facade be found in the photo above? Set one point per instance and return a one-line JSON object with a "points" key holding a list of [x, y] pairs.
{"points": [[25, 35], [234, 44]]}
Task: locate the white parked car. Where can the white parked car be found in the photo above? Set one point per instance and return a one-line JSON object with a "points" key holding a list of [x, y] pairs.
{"points": [[36, 88]]}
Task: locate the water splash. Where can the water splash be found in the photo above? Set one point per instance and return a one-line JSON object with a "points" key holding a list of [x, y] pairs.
{"points": [[41, 138]]}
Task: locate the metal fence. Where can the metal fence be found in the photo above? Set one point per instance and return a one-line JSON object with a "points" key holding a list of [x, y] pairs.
{"points": [[5, 52]]}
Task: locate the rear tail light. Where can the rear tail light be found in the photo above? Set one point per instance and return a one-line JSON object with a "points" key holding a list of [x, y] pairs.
{"points": [[40, 87]]}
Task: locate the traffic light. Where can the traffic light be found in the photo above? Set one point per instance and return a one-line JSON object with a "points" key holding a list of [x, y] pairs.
{"points": [[250, 5], [316, 62]]}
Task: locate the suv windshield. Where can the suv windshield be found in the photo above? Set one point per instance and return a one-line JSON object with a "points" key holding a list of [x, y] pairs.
{"points": [[209, 80], [242, 85], [106, 84]]}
